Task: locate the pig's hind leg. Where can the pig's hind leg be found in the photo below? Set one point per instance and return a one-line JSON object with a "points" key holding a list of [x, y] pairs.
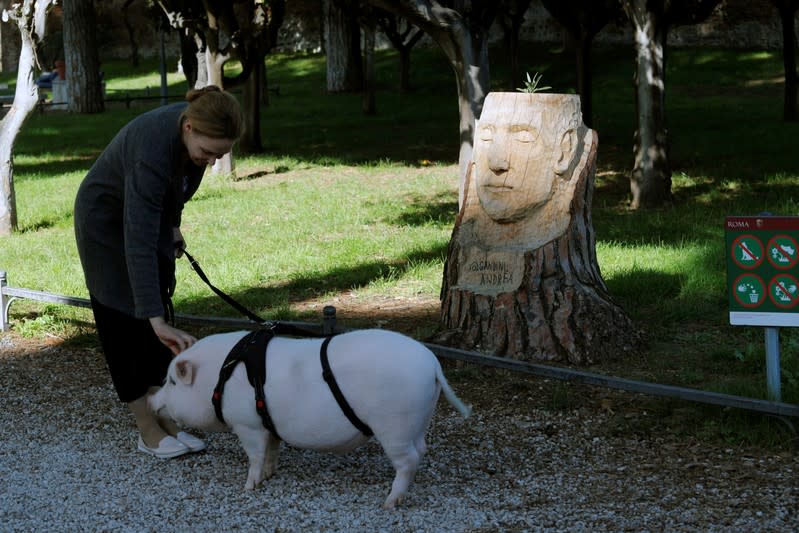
{"points": [[272, 449], [254, 442], [406, 460]]}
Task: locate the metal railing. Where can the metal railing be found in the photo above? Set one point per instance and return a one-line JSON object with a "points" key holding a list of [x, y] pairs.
{"points": [[780, 409]]}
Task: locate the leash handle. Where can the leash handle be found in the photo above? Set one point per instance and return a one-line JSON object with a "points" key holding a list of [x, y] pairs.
{"points": [[246, 312]]}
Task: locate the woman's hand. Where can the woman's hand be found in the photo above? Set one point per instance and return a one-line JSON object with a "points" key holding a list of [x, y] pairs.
{"points": [[178, 241], [175, 339]]}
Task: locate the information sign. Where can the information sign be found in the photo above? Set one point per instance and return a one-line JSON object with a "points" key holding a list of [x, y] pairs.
{"points": [[763, 270]]}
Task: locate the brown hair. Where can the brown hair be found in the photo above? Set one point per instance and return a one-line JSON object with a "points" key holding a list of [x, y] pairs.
{"points": [[214, 113]]}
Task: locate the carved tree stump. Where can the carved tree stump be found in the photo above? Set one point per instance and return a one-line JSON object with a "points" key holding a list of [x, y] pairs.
{"points": [[521, 277]]}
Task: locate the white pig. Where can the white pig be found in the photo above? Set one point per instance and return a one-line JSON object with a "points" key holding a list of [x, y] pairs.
{"points": [[391, 382]]}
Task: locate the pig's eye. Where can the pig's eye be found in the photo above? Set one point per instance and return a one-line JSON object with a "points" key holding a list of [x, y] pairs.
{"points": [[171, 380]]}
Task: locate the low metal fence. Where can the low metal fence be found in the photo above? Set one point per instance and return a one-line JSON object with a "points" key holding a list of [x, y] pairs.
{"points": [[780, 409]]}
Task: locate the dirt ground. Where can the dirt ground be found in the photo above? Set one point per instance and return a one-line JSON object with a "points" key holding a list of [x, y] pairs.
{"points": [[636, 459]]}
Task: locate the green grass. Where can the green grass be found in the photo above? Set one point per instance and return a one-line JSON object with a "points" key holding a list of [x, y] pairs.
{"points": [[341, 204]]}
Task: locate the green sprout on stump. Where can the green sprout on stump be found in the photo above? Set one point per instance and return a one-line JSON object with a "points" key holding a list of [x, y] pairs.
{"points": [[531, 85]]}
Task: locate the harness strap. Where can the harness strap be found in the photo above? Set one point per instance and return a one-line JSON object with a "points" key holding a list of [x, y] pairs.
{"points": [[251, 350], [327, 374]]}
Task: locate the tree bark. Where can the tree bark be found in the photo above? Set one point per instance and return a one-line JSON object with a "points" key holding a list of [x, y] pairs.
{"points": [[251, 98], [134, 45], [84, 84], [650, 181], [29, 18], [511, 18], [787, 10], [368, 104], [342, 46]]}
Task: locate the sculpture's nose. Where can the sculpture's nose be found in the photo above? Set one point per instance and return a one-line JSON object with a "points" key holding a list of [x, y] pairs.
{"points": [[498, 161]]}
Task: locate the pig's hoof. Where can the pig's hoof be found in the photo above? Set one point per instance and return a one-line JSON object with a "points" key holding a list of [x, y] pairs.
{"points": [[390, 504]]}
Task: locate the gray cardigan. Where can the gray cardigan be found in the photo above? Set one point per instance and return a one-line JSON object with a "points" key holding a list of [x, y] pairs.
{"points": [[126, 209]]}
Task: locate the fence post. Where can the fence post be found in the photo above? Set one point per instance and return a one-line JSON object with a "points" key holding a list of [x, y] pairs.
{"points": [[3, 302], [329, 320]]}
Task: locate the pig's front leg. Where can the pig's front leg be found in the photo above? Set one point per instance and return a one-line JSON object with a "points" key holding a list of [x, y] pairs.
{"points": [[253, 440], [272, 449]]}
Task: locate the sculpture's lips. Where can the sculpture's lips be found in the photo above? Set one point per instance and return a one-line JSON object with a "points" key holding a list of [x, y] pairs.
{"points": [[497, 188]]}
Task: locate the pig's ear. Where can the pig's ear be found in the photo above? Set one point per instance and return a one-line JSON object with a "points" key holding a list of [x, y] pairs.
{"points": [[185, 372]]}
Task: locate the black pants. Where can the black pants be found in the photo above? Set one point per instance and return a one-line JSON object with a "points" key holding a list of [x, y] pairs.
{"points": [[135, 357]]}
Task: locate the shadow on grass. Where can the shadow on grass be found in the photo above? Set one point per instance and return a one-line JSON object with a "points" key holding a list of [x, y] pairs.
{"points": [[50, 168], [265, 301], [439, 210]]}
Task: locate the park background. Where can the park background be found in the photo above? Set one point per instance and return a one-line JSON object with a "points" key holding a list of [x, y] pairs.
{"points": [[278, 239]]}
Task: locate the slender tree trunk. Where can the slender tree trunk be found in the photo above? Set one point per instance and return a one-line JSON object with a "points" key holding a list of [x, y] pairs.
{"points": [[369, 107], [84, 85], [29, 18], [584, 77], [462, 33], [473, 81], [251, 97], [787, 10], [134, 46], [214, 62], [405, 70], [650, 182], [342, 47]]}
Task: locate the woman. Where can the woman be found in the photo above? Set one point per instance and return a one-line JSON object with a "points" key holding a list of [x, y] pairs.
{"points": [[127, 219]]}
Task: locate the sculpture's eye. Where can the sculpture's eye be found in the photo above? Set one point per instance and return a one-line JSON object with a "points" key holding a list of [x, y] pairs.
{"points": [[525, 135], [171, 380], [487, 134]]}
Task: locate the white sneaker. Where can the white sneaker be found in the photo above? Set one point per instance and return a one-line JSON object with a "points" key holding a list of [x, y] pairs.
{"points": [[190, 441], [168, 447]]}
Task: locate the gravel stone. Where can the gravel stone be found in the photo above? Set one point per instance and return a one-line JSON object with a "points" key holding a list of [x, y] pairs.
{"points": [[68, 462]]}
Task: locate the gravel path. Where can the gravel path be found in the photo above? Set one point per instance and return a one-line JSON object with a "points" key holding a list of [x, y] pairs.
{"points": [[68, 463]]}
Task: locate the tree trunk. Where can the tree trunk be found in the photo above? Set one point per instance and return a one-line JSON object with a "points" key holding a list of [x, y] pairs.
{"points": [[214, 63], [30, 20], [787, 10], [342, 47], [368, 105], [521, 277], [650, 182], [511, 19], [134, 46], [462, 33], [251, 99], [84, 84], [405, 70], [584, 78]]}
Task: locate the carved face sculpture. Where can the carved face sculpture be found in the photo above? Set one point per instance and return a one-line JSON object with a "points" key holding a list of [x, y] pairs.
{"points": [[519, 152]]}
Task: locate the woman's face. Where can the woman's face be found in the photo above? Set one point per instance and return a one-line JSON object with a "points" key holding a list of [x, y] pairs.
{"points": [[204, 150]]}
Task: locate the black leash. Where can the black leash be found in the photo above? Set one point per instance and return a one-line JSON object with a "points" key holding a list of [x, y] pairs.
{"points": [[246, 312]]}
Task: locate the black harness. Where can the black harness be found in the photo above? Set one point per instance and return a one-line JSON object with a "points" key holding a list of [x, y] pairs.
{"points": [[251, 350]]}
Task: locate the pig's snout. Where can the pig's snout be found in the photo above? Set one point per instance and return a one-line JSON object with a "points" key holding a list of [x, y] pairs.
{"points": [[155, 401]]}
